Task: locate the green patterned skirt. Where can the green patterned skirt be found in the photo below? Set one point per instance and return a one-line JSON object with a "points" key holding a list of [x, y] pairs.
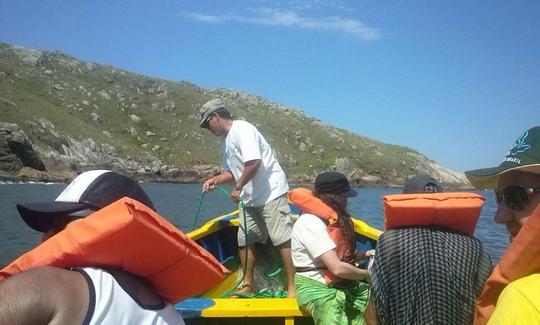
{"points": [[329, 305]]}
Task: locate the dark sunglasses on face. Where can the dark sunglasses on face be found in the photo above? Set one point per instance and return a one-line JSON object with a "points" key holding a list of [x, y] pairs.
{"points": [[206, 123], [516, 197]]}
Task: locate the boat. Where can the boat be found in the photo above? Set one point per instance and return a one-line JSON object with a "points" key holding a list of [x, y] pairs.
{"points": [[218, 236]]}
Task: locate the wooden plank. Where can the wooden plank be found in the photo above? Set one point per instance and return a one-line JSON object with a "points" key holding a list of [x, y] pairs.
{"points": [[256, 307]]}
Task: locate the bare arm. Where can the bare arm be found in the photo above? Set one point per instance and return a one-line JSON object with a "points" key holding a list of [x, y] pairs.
{"points": [[341, 269], [369, 315], [250, 168], [224, 177], [44, 295]]}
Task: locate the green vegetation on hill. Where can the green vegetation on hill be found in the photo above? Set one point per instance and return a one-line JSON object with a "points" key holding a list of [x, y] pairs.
{"points": [[149, 119]]}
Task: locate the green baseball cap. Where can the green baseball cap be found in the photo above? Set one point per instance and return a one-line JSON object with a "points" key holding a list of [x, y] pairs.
{"points": [[523, 156]]}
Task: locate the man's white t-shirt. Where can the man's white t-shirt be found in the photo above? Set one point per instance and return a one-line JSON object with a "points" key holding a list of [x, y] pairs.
{"points": [[309, 241], [244, 143]]}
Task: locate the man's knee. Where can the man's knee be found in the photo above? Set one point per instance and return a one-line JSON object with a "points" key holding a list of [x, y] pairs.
{"points": [[285, 245]]}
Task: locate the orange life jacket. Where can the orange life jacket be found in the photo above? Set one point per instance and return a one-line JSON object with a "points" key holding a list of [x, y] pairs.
{"points": [[128, 235], [306, 201], [522, 258], [458, 211]]}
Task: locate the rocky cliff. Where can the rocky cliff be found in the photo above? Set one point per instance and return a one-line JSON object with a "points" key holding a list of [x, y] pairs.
{"points": [[60, 116]]}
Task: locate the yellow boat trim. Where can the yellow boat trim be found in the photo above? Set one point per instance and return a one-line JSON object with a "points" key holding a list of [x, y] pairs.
{"points": [[231, 281], [362, 228], [213, 225], [254, 307]]}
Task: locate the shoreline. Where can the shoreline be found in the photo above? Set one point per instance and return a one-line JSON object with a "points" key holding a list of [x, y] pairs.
{"points": [[291, 184], [31, 176]]}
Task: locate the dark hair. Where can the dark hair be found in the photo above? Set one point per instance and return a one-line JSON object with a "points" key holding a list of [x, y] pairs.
{"points": [[223, 113], [337, 203]]}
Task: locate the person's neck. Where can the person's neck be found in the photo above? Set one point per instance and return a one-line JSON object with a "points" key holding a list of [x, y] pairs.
{"points": [[227, 125]]}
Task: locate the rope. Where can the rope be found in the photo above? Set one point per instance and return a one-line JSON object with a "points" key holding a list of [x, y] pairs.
{"points": [[263, 293], [198, 212], [222, 189]]}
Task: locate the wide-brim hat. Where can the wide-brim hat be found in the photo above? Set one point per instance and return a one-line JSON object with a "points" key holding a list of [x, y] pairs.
{"points": [[90, 190], [524, 156]]}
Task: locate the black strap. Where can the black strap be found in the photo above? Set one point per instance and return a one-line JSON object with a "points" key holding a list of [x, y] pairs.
{"points": [[310, 268]]}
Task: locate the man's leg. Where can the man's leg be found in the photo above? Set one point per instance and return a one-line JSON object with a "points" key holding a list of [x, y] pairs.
{"points": [[279, 224], [285, 251], [255, 232], [247, 286]]}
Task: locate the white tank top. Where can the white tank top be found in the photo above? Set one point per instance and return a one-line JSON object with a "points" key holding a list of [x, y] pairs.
{"points": [[111, 304]]}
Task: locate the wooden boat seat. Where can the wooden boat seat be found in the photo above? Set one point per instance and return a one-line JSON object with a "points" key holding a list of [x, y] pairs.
{"points": [[285, 308]]}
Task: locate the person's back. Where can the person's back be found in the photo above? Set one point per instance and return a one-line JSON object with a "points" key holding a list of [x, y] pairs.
{"points": [[427, 275]]}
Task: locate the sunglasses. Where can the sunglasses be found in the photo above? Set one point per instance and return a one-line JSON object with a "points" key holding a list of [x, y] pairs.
{"points": [[516, 197], [206, 123]]}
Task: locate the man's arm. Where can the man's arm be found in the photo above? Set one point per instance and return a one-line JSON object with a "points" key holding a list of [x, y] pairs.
{"points": [[44, 295], [224, 177], [250, 169]]}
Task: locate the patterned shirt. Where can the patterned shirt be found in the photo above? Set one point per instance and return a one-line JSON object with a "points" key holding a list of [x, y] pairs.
{"points": [[427, 275]]}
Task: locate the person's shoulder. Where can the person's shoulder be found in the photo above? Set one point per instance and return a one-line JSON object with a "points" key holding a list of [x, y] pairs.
{"points": [[527, 285], [519, 302], [309, 219], [49, 292], [241, 125], [44, 273]]}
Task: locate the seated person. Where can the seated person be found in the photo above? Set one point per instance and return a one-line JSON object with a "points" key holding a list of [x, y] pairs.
{"points": [[422, 183], [511, 295], [328, 284], [85, 295], [426, 275]]}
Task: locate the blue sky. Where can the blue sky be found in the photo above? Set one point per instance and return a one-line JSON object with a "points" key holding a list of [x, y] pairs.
{"points": [[457, 80]]}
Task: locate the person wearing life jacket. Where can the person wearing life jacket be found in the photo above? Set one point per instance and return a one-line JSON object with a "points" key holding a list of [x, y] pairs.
{"points": [[328, 284], [512, 292], [427, 269], [86, 295]]}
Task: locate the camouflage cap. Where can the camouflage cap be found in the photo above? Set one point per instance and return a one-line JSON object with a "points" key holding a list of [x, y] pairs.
{"points": [[208, 108]]}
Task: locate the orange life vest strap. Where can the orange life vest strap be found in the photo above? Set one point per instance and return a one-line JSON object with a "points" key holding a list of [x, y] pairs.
{"points": [[128, 235], [522, 258], [458, 211]]}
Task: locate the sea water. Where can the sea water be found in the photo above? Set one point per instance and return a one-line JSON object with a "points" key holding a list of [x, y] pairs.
{"points": [[179, 202]]}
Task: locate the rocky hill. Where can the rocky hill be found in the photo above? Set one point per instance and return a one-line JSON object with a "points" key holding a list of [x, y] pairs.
{"points": [[60, 116]]}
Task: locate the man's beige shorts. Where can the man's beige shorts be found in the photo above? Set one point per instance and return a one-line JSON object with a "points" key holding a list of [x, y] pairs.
{"points": [[272, 219]]}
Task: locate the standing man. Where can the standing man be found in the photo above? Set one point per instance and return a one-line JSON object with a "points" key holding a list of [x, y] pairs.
{"points": [[260, 183], [512, 293]]}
